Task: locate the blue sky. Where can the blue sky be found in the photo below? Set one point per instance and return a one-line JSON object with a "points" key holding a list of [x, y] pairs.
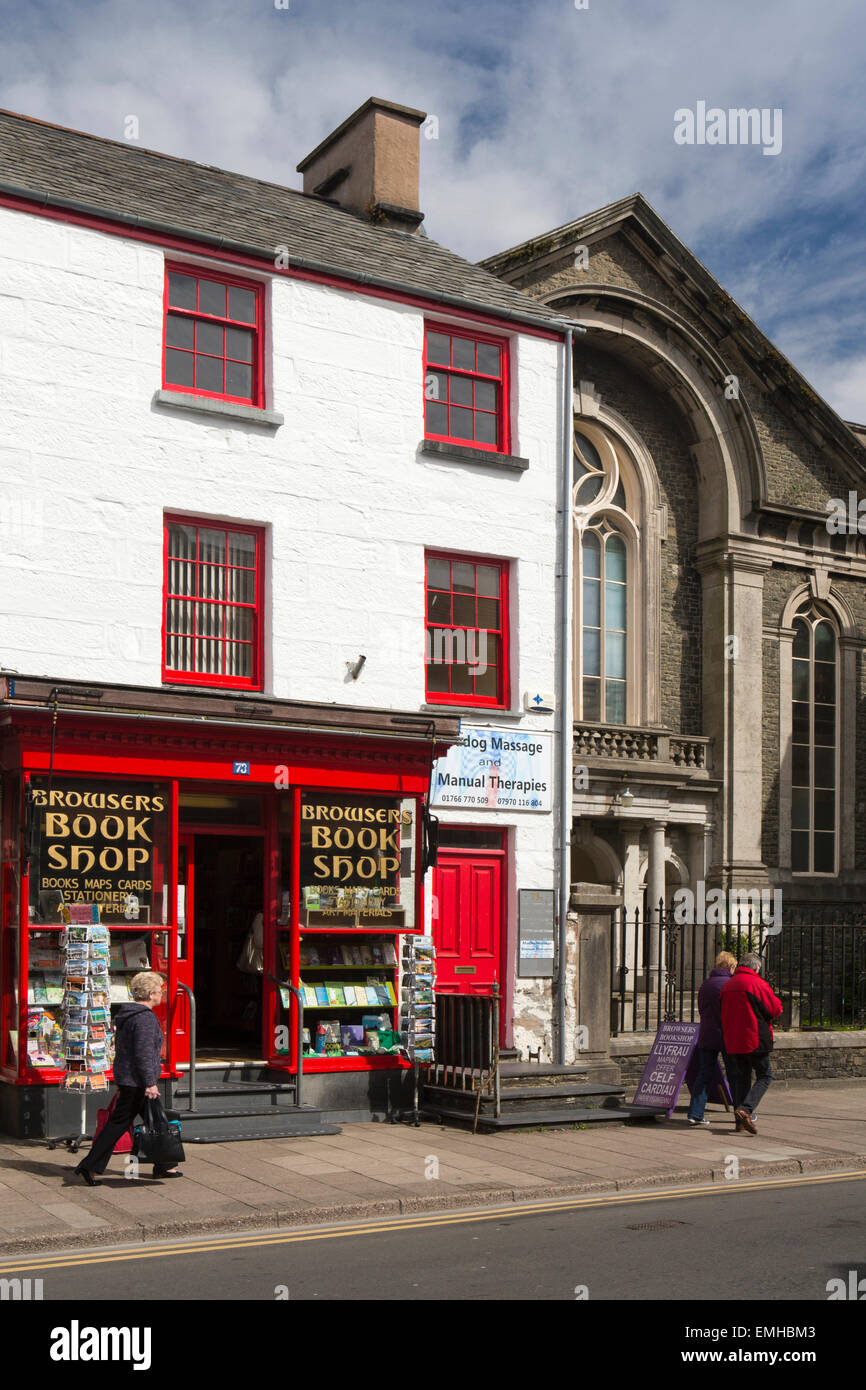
{"points": [[545, 113]]}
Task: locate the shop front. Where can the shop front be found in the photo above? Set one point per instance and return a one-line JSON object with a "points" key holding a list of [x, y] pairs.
{"points": [[265, 857]]}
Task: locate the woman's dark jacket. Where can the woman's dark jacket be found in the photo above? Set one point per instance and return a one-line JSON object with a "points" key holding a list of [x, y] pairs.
{"points": [[138, 1046], [710, 1008]]}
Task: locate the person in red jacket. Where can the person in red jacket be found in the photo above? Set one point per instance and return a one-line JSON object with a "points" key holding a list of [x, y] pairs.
{"points": [[748, 1006]]}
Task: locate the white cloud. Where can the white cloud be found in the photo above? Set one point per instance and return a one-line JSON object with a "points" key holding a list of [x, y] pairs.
{"points": [[545, 112]]}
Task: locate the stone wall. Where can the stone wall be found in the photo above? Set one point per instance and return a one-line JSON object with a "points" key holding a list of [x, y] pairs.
{"points": [[796, 1057]]}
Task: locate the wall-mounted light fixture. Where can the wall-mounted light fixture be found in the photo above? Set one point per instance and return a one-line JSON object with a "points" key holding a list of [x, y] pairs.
{"points": [[626, 797], [355, 667]]}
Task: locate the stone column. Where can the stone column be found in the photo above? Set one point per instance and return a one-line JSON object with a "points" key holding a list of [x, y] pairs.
{"points": [[698, 941], [591, 917], [655, 888], [733, 583], [631, 894]]}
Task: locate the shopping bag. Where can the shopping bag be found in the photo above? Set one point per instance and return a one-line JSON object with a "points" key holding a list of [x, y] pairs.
{"points": [[251, 958], [124, 1143], [158, 1140]]}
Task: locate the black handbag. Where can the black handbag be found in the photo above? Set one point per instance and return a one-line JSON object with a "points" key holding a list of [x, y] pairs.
{"points": [[158, 1140]]}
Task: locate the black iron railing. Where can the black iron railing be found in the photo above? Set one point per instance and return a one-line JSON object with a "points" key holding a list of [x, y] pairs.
{"points": [[815, 961], [467, 1045]]}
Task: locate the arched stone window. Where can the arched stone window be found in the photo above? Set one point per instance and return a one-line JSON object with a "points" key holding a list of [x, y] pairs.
{"points": [[607, 573], [814, 741]]}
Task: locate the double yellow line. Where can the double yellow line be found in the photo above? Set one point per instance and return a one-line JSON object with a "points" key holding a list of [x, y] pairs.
{"points": [[411, 1223]]}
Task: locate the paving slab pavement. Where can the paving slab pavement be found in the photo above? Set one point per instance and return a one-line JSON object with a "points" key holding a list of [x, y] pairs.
{"points": [[379, 1170]]}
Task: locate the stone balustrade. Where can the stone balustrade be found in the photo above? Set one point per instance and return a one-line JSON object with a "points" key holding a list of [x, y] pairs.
{"points": [[619, 743]]}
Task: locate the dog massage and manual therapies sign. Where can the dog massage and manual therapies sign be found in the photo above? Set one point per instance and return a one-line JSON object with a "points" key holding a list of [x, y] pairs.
{"points": [[495, 769], [667, 1065], [102, 844]]}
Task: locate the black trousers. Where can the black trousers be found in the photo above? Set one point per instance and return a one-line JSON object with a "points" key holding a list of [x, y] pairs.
{"points": [[130, 1102], [746, 1095]]}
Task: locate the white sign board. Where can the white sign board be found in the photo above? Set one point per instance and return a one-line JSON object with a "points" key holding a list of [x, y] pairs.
{"points": [[495, 770]]}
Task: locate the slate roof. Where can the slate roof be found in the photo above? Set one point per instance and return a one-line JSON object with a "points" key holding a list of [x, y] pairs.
{"points": [[117, 179]]}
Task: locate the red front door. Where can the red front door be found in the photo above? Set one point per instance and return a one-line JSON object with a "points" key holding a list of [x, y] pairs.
{"points": [[467, 920]]}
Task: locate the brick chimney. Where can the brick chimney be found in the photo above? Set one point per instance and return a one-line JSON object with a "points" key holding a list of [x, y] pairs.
{"points": [[369, 164]]}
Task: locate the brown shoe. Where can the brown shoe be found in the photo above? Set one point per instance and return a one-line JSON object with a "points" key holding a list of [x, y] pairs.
{"points": [[746, 1121]]}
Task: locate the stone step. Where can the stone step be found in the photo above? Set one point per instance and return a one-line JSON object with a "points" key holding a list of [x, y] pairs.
{"points": [[549, 1073], [532, 1119], [234, 1136], [227, 1126]]}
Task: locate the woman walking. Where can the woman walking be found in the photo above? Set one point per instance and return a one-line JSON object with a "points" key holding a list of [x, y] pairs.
{"points": [[139, 1043], [710, 1040]]}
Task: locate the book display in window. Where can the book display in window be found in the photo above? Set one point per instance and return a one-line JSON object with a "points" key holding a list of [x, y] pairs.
{"points": [[349, 990]]}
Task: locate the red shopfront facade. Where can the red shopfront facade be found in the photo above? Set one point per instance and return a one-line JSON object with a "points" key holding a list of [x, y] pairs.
{"points": [[205, 827]]}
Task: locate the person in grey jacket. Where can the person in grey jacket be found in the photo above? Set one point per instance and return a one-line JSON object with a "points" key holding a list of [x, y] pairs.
{"points": [[137, 1067]]}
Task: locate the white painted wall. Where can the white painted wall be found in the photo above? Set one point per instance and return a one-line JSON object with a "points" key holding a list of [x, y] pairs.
{"points": [[89, 463]]}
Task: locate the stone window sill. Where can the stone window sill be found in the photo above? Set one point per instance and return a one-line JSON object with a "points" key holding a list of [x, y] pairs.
{"points": [[469, 712], [226, 410], [464, 453]]}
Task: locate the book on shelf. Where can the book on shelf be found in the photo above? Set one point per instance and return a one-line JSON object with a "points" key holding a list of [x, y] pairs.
{"points": [[309, 953], [310, 999], [321, 994], [389, 953], [335, 993], [286, 955]]}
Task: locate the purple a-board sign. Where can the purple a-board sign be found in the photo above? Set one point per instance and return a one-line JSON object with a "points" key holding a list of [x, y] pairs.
{"points": [[667, 1064]]}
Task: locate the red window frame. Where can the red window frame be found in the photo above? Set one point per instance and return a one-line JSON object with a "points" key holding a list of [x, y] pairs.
{"points": [[172, 676], [449, 697], [197, 316], [500, 381]]}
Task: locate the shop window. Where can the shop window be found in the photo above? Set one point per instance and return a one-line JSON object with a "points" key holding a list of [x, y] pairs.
{"points": [[814, 742], [358, 883], [466, 388], [131, 950], [357, 861], [213, 335], [213, 604], [466, 631], [100, 845]]}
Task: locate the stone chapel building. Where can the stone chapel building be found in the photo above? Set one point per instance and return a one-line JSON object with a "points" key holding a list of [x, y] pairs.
{"points": [[719, 621]]}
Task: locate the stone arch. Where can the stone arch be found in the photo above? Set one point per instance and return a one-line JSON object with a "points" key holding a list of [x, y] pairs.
{"points": [[724, 439], [822, 594], [593, 860]]}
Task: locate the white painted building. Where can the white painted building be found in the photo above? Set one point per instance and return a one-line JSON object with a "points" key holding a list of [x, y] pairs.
{"points": [[336, 412]]}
